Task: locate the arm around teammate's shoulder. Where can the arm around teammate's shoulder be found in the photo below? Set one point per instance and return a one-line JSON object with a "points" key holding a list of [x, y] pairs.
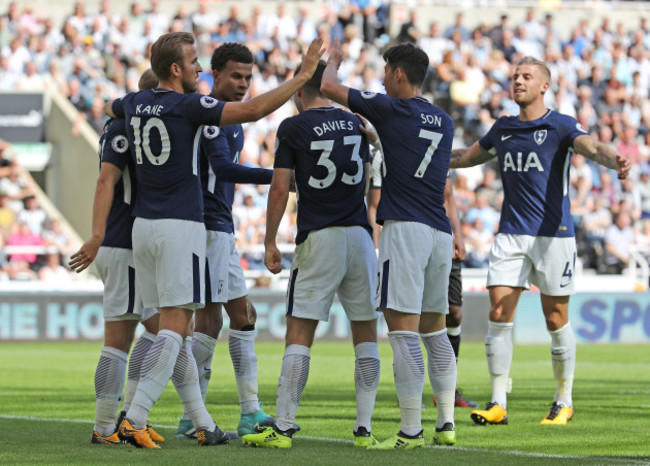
{"points": [[473, 155], [602, 154]]}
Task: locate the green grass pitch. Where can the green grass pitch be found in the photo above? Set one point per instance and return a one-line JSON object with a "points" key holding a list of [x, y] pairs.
{"points": [[47, 407]]}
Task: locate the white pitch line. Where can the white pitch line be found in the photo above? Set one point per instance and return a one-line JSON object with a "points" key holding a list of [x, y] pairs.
{"points": [[338, 440]]}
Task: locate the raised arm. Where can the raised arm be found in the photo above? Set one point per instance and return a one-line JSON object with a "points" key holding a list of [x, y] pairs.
{"points": [[330, 86], [473, 155], [452, 212], [277, 204], [602, 154], [262, 105], [108, 176]]}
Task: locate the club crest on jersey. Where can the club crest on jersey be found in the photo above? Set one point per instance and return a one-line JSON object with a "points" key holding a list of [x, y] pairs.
{"points": [[368, 95], [208, 102], [120, 144], [540, 136], [210, 132], [581, 128]]}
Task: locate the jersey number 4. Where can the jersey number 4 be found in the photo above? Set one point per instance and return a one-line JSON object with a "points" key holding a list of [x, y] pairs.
{"points": [[142, 142], [326, 147]]}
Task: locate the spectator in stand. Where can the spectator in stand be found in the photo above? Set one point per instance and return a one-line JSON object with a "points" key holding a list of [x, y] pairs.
{"points": [[53, 271], [33, 215], [478, 241], [643, 185], [54, 236], [7, 216], [618, 240], [23, 236], [15, 187], [483, 210]]}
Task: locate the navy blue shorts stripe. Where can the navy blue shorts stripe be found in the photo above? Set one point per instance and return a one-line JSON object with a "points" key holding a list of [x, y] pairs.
{"points": [[208, 284], [384, 284], [292, 284], [129, 309], [196, 278]]}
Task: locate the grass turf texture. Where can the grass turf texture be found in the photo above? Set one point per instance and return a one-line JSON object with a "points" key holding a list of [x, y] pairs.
{"points": [[55, 381]]}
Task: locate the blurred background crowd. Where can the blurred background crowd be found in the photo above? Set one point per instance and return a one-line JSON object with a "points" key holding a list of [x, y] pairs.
{"points": [[601, 76]]}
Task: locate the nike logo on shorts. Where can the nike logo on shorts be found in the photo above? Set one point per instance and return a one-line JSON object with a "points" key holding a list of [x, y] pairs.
{"points": [[503, 138]]}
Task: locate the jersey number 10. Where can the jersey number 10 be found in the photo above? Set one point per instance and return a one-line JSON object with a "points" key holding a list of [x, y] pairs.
{"points": [[142, 141]]}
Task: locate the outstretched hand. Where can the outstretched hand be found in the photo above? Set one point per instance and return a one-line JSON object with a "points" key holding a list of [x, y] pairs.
{"points": [[624, 166], [336, 57], [312, 57]]}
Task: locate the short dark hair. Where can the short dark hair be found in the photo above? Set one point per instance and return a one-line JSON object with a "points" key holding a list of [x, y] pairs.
{"points": [[312, 87], [167, 50], [230, 51], [148, 80], [411, 58]]}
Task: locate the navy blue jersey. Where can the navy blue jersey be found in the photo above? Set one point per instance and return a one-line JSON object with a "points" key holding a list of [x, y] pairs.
{"points": [[163, 128], [416, 138], [534, 160], [114, 148], [329, 154], [220, 170]]}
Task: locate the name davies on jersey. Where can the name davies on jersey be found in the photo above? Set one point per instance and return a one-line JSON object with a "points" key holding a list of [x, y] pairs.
{"points": [[333, 126], [149, 109], [532, 161]]}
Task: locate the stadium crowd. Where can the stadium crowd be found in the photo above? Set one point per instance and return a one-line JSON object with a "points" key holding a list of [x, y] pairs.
{"points": [[601, 76], [32, 245]]}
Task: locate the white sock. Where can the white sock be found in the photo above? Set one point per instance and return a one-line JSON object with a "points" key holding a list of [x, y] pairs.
{"points": [[498, 349], [441, 362], [203, 349], [242, 353], [157, 369], [293, 378], [563, 353], [109, 383], [138, 353], [186, 381], [366, 381], [408, 370]]}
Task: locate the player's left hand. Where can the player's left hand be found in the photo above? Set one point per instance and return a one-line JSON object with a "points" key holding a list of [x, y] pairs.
{"points": [[459, 248], [367, 129], [273, 259], [624, 166], [312, 57], [80, 260]]}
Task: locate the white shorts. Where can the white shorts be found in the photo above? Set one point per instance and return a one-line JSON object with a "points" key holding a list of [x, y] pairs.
{"points": [[224, 277], [169, 257], [414, 266], [121, 296], [333, 260], [519, 260]]}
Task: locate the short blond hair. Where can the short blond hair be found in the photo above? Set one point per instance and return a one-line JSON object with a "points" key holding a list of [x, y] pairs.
{"points": [[528, 60]]}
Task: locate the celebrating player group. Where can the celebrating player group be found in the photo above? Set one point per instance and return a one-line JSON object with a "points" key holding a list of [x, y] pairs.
{"points": [[163, 240]]}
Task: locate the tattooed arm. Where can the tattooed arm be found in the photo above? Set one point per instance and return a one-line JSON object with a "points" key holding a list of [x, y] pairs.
{"points": [[602, 154], [474, 155]]}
